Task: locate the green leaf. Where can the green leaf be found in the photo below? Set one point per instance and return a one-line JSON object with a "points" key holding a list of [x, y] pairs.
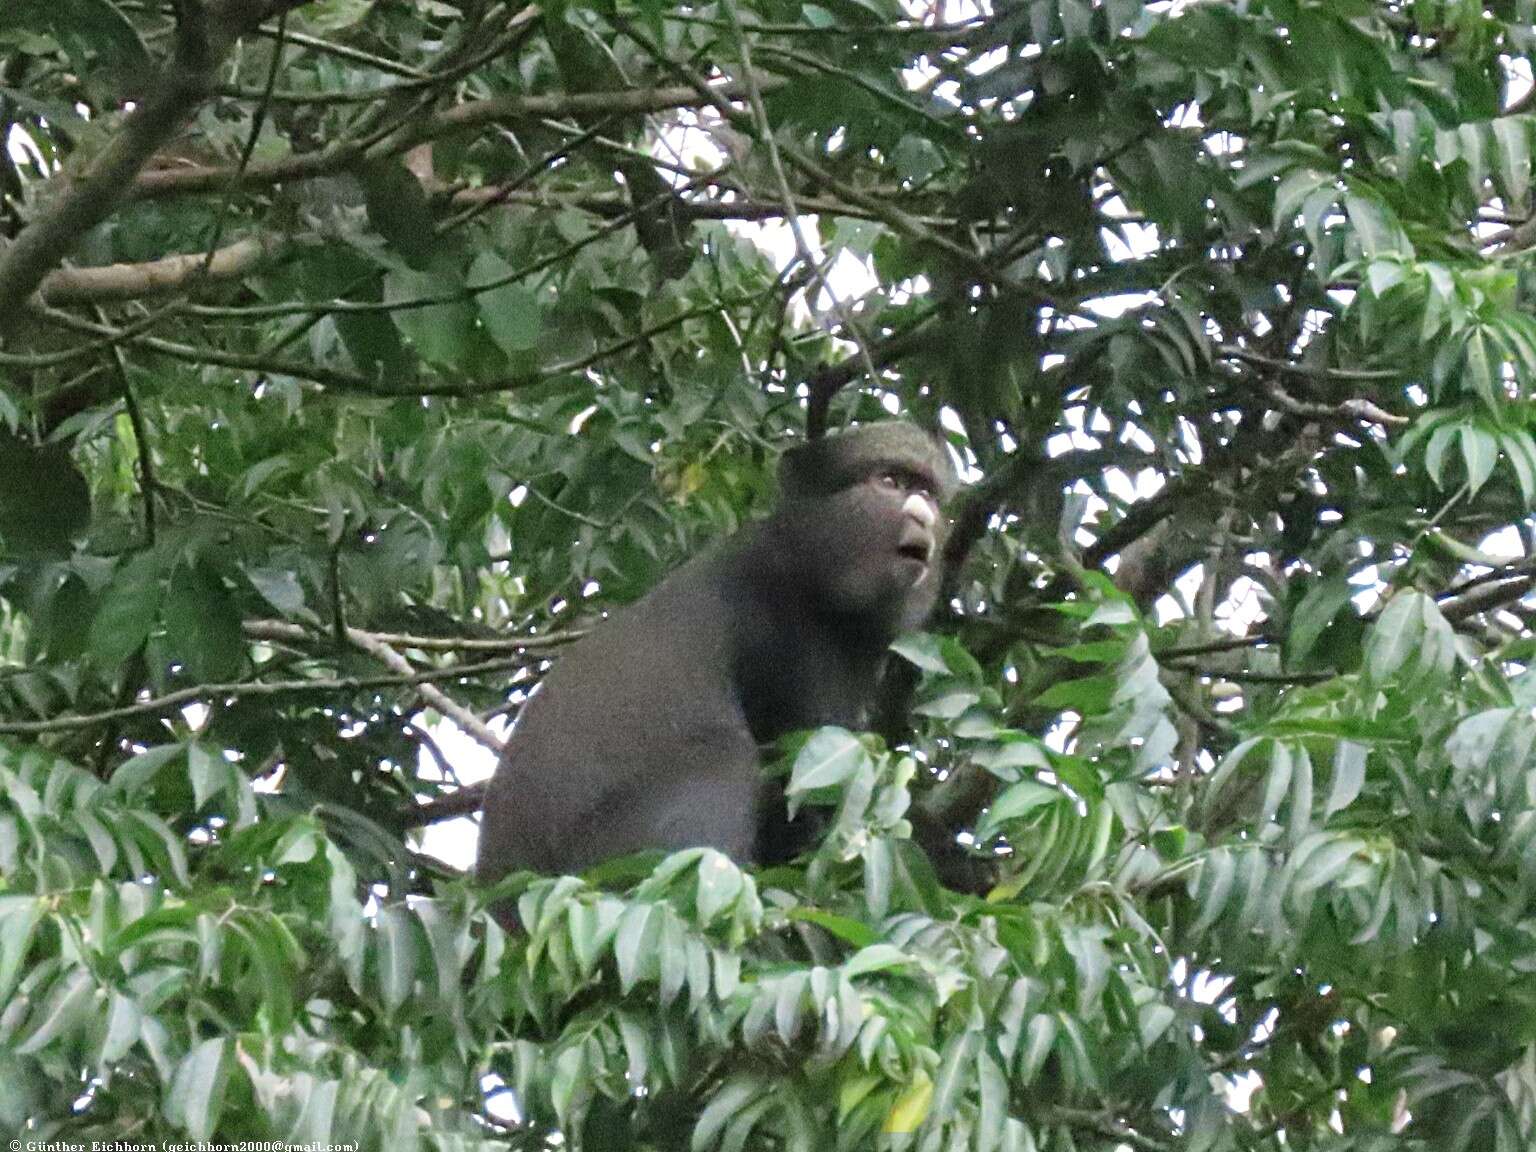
{"points": [[1378, 234], [396, 950], [875, 958], [202, 626], [1480, 369], [848, 930], [137, 772], [1349, 759], [1512, 138], [1301, 795], [124, 1027], [1214, 887], [1395, 637], [910, 1109], [1322, 864], [398, 209], [1010, 754], [127, 611], [509, 312], [68, 1006], [1039, 1039], [1087, 696], [440, 331], [1278, 781], [923, 649], [1017, 800], [634, 944], [1480, 451], [208, 772], [788, 1006], [92, 32], [325, 16], [19, 916], [282, 590], [830, 757], [1470, 141], [1520, 449], [955, 1064], [947, 701], [195, 1098], [1317, 609], [733, 1096], [720, 884]]}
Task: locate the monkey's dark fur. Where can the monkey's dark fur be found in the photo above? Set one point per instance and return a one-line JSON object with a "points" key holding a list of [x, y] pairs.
{"points": [[645, 734]]}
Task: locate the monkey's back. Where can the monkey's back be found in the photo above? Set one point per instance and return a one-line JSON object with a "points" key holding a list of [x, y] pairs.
{"points": [[603, 761]]}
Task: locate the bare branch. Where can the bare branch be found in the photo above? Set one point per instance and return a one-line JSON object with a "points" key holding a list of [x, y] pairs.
{"points": [[115, 282], [282, 630], [171, 701], [89, 196], [1348, 412], [432, 694], [463, 801], [1362, 375]]}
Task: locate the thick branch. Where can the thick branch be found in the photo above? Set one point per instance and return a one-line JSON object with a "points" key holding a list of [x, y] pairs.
{"points": [[1488, 597], [87, 197], [473, 114], [114, 282], [463, 801], [1140, 519], [824, 383]]}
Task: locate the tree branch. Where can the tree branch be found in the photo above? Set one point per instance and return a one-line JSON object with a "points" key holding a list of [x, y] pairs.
{"points": [[157, 705], [463, 801], [473, 114], [433, 695], [89, 196], [115, 282], [284, 631]]}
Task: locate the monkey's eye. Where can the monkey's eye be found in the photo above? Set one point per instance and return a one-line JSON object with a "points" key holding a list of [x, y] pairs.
{"points": [[889, 480]]}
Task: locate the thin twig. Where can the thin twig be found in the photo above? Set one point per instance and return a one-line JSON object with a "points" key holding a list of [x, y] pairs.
{"points": [[148, 488], [182, 696], [292, 633]]}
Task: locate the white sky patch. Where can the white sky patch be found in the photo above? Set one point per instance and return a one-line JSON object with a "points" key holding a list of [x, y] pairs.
{"points": [[1518, 72], [23, 151], [1506, 543], [1243, 608], [454, 841]]}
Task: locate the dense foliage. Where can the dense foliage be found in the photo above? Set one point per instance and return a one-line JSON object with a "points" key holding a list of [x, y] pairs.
{"points": [[357, 352]]}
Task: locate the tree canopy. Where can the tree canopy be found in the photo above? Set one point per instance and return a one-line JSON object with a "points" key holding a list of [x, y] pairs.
{"points": [[356, 354]]}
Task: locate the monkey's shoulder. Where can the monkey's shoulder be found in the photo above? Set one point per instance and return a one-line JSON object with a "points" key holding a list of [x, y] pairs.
{"points": [[678, 631]]}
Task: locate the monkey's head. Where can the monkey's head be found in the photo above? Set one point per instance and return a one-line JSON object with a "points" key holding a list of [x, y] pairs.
{"points": [[861, 513]]}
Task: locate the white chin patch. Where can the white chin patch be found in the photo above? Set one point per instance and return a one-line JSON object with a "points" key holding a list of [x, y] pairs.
{"points": [[922, 576]]}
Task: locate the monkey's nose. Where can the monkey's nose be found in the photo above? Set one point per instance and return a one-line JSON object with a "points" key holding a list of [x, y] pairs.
{"points": [[920, 509]]}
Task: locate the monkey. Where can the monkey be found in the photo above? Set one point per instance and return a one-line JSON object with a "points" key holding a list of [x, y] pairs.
{"points": [[645, 733]]}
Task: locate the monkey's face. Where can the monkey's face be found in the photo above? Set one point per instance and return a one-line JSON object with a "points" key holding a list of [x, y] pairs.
{"points": [[872, 548]]}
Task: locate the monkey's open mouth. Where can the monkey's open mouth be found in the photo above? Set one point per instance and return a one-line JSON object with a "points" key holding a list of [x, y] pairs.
{"points": [[919, 550]]}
